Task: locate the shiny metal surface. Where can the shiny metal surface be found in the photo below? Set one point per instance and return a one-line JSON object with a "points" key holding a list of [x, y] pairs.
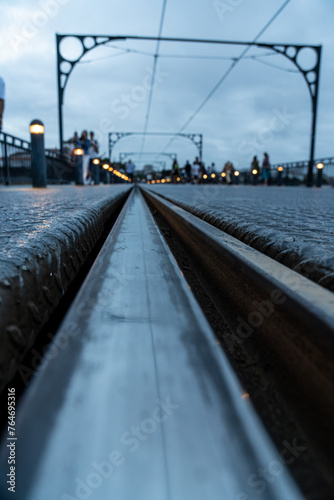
{"points": [[138, 400]]}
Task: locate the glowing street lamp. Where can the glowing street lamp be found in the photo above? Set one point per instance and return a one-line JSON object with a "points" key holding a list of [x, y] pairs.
{"points": [[320, 167], [96, 171], [36, 127], [78, 169], [279, 175], [38, 162]]}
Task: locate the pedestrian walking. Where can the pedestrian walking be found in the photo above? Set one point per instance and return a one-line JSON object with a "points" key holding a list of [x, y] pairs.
{"points": [[129, 169], [93, 150], [255, 170], [73, 141], [175, 171], [187, 169], [265, 169], [84, 143], [195, 171], [229, 171], [2, 100]]}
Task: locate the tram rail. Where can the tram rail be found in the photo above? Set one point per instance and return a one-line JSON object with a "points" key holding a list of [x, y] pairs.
{"points": [[143, 402]]}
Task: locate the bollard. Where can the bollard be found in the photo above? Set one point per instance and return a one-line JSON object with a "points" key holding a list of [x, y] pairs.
{"points": [[96, 171], [320, 166], [111, 177], [105, 168], [236, 177], [255, 174], [78, 153], [38, 161], [279, 176]]}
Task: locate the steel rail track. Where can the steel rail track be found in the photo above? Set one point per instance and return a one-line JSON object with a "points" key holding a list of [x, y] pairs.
{"points": [[288, 317], [137, 400]]}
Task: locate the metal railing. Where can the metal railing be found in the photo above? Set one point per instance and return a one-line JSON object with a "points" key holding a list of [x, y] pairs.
{"points": [[293, 173], [15, 163]]}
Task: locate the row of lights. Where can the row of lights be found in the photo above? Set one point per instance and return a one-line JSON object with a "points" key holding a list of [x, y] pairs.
{"points": [[161, 181], [223, 174], [105, 166], [320, 166]]}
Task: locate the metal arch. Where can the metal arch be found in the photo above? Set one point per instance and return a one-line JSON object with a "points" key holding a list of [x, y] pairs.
{"points": [[113, 138], [156, 162], [311, 77], [196, 139], [97, 40], [123, 155], [63, 76]]}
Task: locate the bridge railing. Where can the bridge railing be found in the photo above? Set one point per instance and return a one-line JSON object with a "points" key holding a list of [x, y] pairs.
{"points": [[294, 173], [15, 163]]}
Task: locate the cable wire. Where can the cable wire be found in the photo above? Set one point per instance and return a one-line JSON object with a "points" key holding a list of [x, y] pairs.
{"points": [[156, 55], [229, 70], [184, 56]]}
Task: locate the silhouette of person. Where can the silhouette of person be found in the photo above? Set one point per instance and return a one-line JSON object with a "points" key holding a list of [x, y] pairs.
{"points": [[2, 100]]}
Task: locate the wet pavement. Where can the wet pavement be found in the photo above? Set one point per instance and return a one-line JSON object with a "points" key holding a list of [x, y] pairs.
{"points": [[27, 214], [45, 237], [294, 225]]}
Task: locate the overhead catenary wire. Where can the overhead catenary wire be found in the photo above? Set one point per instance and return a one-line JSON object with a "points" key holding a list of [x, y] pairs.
{"points": [[225, 75], [186, 56], [155, 62], [256, 57]]}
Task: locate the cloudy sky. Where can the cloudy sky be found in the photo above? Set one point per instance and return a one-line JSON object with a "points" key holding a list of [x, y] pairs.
{"points": [[262, 105]]}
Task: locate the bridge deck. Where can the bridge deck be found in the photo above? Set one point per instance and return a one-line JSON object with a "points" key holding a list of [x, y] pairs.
{"points": [[138, 401]]}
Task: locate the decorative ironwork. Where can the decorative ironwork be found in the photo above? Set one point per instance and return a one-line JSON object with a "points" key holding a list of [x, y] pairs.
{"points": [[197, 139], [311, 75], [123, 156]]}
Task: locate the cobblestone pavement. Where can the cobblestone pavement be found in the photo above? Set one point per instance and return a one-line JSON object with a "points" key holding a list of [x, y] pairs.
{"points": [[294, 225]]}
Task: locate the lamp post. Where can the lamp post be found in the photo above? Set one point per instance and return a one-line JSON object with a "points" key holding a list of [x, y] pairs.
{"points": [[106, 167], [255, 173], [38, 162], [320, 167], [236, 175], [279, 175], [111, 176], [78, 152], [96, 172]]}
